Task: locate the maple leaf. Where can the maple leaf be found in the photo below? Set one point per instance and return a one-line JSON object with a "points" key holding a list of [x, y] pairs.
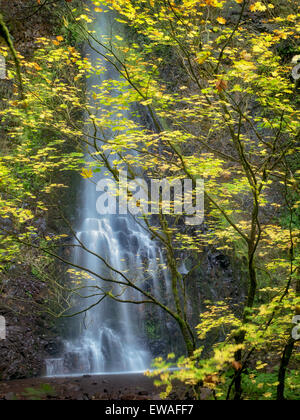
{"points": [[258, 7], [211, 379], [221, 85], [236, 365], [86, 173], [221, 20]]}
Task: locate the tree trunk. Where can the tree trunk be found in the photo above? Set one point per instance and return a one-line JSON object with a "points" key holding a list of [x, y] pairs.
{"points": [[286, 356]]}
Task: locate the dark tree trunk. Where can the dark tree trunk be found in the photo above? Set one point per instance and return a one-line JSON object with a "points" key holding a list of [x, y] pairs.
{"points": [[286, 356]]}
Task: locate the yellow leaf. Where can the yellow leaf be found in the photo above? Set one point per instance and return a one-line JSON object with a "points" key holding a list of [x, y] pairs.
{"points": [[221, 20], [37, 67], [258, 7], [86, 173]]}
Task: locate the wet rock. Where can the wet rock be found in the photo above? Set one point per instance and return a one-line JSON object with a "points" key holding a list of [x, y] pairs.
{"points": [[223, 261], [10, 396], [71, 361], [134, 243], [143, 393], [73, 388], [123, 240], [205, 393], [121, 225], [22, 354], [54, 348]]}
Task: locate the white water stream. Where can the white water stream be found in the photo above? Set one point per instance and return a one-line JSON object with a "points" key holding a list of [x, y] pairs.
{"points": [[110, 336]]}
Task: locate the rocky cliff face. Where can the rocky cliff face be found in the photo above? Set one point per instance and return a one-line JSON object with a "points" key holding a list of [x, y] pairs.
{"points": [[23, 295], [28, 335]]}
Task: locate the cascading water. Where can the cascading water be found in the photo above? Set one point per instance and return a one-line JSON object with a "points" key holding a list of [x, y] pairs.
{"points": [[108, 337]]}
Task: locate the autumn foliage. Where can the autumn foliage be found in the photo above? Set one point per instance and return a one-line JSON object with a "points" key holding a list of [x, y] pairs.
{"points": [[214, 79]]}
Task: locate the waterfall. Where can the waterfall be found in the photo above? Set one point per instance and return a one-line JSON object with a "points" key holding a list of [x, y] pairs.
{"points": [[109, 337]]}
